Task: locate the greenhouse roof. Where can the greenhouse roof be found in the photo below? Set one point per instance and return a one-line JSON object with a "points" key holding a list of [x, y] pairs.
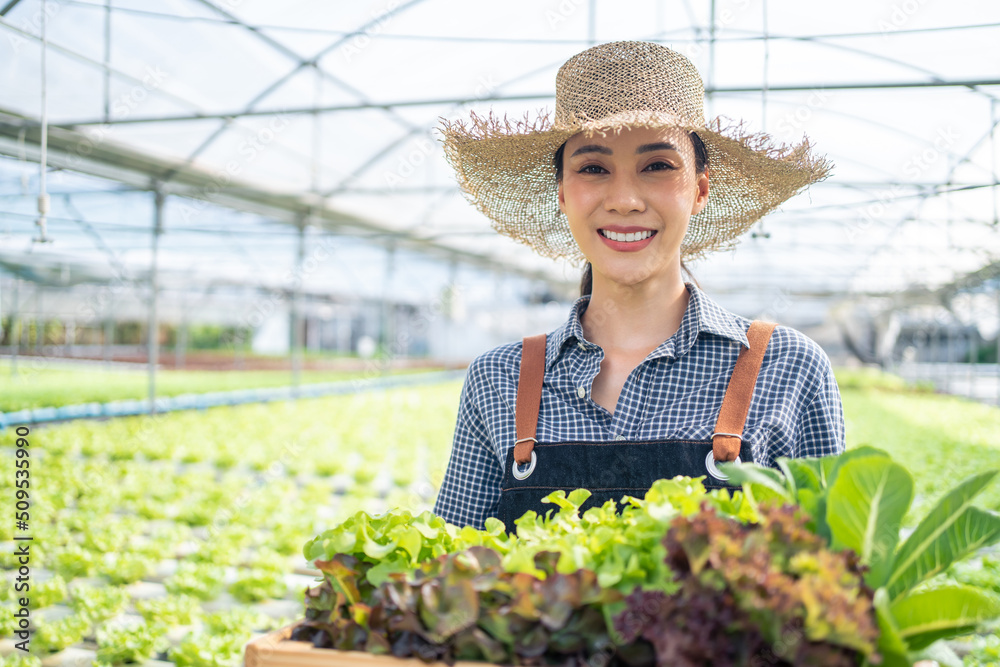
{"points": [[255, 117]]}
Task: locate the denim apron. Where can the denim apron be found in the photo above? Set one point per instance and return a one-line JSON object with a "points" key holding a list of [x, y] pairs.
{"points": [[612, 469]]}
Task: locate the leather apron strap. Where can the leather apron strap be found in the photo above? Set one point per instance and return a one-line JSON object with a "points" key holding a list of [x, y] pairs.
{"points": [[728, 433], [726, 438], [529, 395]]}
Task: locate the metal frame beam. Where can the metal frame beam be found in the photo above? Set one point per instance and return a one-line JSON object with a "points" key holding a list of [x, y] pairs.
{"points": [[134, 168], [247, 113], [9, 6]]}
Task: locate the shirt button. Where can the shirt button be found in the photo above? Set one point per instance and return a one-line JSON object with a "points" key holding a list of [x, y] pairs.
{"points": [[619, 437], [581, 346], [581, 392]]}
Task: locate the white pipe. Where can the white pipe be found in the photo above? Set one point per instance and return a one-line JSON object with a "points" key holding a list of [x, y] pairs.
{"points": [[43, 196]]}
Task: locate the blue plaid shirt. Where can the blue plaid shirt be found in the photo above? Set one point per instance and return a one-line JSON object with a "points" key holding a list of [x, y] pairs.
{"points": [[675, 393]]}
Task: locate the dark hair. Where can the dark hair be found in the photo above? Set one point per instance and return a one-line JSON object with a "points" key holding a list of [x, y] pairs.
{"points": [[700, 164]]}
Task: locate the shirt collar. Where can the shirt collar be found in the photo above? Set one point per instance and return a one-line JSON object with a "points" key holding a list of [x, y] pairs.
{"points": [[702, 314]]}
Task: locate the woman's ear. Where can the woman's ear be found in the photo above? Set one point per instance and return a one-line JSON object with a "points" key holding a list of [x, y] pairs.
{"points": [[561, 198], [702, 197]]}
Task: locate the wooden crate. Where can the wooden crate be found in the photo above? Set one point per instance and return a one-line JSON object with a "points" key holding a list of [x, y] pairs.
{"points": [[277, 650]]}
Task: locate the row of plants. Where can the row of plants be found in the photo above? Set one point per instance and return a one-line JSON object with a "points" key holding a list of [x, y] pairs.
{"points": [[44, 383], [804, 566], [32, 332], [213, 506], [939, 438]]}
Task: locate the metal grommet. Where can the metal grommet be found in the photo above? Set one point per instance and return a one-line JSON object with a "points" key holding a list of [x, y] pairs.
{"points": [[715, 472], [531, 468]]}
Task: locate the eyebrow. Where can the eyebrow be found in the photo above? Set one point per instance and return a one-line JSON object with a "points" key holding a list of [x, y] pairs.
{"points": [[644, 148]]}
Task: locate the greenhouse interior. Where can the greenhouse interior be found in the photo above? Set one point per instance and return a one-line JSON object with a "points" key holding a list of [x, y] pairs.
{"points": [[266, 381]]}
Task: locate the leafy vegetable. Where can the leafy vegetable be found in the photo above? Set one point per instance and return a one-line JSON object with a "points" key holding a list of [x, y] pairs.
{"points": [[463, 606], [201, 580], [170, 610], [126, 568], [98, 604], [767, 590], [623, 548], [118, 644], [942, 538], [983, 573], [57, 635], [209, 650], [18, 659], [47, 593], [925, 616], [865, 508], [258, 584], [859, 500]]}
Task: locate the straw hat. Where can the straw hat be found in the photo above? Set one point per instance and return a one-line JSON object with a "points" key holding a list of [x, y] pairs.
{"points": [[506, 168]]}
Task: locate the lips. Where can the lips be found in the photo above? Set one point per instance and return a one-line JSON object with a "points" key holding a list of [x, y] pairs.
{"points": [[626, 239]]}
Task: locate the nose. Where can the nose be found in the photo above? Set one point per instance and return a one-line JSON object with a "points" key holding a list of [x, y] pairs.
{"points": [[623, 195]]}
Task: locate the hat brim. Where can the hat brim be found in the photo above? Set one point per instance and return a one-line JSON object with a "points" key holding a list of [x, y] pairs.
{"points": [[506, 170]]}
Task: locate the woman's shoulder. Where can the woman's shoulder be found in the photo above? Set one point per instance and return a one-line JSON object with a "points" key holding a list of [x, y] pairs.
{"points": [[498, 363], [790, 347]]}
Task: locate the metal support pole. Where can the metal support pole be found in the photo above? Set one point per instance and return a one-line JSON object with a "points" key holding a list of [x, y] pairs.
{"points": [[922, 355], [15, 327], [69, 343], [951, 358], [39, 320], [154, 322], [972, 350], [996, 168], [107, 60], [710, 101], [181, 344], [296, 314], [388, 311], [43, 196], [592, 23], [936, 356], [452, 287], [109, 336]]}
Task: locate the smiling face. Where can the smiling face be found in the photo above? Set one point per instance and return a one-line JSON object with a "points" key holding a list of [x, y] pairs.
{"points": [[628, 198]]}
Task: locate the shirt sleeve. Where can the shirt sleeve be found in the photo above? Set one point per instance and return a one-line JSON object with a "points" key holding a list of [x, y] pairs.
{"points": [[470, 490], [821, 422]]}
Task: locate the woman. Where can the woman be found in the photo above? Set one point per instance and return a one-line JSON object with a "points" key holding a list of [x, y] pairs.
{"points": [[649, 377]]}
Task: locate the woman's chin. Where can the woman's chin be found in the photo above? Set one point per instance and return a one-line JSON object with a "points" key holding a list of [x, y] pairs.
{"points": [[623, 274]]}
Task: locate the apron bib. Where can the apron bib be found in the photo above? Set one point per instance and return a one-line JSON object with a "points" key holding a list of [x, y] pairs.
{"points": [[612, 469]]}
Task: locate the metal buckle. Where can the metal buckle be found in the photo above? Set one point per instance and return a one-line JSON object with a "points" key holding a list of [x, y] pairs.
{"points": [[710, 465], [531, 467]]}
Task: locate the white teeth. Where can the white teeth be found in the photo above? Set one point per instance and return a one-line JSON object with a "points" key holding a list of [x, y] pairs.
{"points": [[631, 236]]}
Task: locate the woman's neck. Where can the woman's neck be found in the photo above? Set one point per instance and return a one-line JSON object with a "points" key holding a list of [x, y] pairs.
{"points": [[634, 319]]}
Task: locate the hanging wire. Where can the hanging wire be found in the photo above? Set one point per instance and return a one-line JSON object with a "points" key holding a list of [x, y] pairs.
{"points": [[22, 156], [763, 87], [43, 197], [759, 232]]}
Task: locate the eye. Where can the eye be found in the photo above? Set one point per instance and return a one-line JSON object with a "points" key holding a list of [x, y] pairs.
{"points": [[584, 169], [660, 165]]}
